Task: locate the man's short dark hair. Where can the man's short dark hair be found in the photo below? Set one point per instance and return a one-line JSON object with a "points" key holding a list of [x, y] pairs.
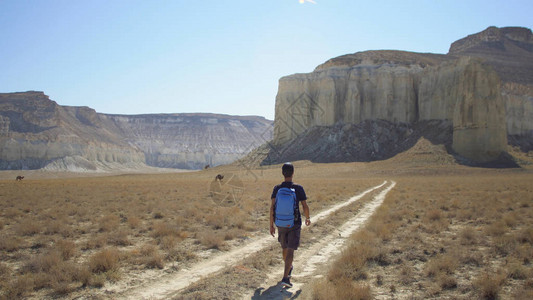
{"points": [[287, 169]]}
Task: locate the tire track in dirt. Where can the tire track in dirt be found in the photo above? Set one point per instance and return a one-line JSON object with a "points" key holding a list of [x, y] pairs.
{"points": [[167, 286], [316, 256]]}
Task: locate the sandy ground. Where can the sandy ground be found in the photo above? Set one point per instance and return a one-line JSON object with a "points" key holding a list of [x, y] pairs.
{"points": [[315, 256]]}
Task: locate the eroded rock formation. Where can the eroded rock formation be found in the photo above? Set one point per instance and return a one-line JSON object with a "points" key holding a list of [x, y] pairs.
{"points": [[473, 89], [36, 132]]}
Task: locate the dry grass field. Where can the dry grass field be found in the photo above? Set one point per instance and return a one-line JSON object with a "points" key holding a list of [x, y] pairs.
{"points": [[443, 231], [467, 236], [61, 237]]}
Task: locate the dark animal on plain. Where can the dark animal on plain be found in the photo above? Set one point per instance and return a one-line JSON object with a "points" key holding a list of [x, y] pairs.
{"points": [[19, 178], [219, 177], [206, 167]]}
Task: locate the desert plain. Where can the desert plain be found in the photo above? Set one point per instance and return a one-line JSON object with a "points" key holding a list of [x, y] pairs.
{"points": [[437, 230]]}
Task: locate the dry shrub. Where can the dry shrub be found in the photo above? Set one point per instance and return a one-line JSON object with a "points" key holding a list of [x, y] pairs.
{"points": [[523, 294], [27, 228], [168, 242], [435, 221], [53, 226], [19, 287], [488, 285], [446, 281], [108, 223], [526, 236], [147, 249], [217, 221], [62, 288], [96, 241], [104, 261], [353, 260], [472, 258], [66, 248], [43, 262], [406, 275], [516, 270], [496, 229], [511, 219], [119, 238], [342, 289], [351, 265], [180, 255], [154, 261], [524, 253], [41, 280], [382, 231], [211, 240], [434, 215], [505, 244], [468, 236], [5, 270], [441, 264], [236, 218], [12, 213], [180, 221], [233, 233], [47, 272], [9, 243], [150, 257], [134, 222], [97, 280], [84, 275], [60, 277], [161, 229], [322, 290], [260, 262]]}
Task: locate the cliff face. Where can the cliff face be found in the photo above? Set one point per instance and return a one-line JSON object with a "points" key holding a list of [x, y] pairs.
{"points": [[405, 88], [509, 51], [191, 141], [36, 133]]}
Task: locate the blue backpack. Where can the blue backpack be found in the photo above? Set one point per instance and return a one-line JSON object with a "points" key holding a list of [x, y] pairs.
{"points": [[286, 206]]}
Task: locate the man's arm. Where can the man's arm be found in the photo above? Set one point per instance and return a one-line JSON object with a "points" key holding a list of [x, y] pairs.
{"points": [[272, 228], [306, 212]]}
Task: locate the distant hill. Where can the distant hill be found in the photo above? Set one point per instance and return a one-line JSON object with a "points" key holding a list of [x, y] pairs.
{"points": [[36, 132]]}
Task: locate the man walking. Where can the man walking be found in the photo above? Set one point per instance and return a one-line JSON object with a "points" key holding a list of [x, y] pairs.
{"points": [[285, 214]]}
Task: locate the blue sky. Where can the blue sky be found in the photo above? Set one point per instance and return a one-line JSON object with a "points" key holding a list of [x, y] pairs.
{"points": [[133, 57]]}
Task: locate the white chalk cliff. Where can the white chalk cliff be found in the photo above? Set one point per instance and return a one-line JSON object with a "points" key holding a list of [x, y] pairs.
{"points": [[482, 90]]}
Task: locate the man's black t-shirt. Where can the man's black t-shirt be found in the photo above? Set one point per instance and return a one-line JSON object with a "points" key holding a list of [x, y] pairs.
{"points": [[300, 196]]}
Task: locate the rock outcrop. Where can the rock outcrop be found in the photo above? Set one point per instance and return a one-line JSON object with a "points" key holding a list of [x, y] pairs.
{"points": [[36, 132], [191, 141], [509, 51], [473, 89]]}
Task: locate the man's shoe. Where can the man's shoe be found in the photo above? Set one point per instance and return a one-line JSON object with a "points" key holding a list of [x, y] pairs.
{"points": [[290, 272], [286, 282]]}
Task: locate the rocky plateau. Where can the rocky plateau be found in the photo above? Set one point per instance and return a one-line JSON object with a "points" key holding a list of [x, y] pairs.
{"points": [[36, 133], [477, 100]]}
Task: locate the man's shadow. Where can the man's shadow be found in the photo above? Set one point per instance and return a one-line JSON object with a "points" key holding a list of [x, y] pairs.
{"points": [[276, 291]]}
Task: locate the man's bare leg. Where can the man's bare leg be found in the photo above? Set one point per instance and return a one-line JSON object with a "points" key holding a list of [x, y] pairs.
{"points": [[288, 256]]}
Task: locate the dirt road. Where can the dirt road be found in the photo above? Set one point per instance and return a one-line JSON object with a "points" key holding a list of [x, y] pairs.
{"points": [[312, 257], [317, 256]]}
